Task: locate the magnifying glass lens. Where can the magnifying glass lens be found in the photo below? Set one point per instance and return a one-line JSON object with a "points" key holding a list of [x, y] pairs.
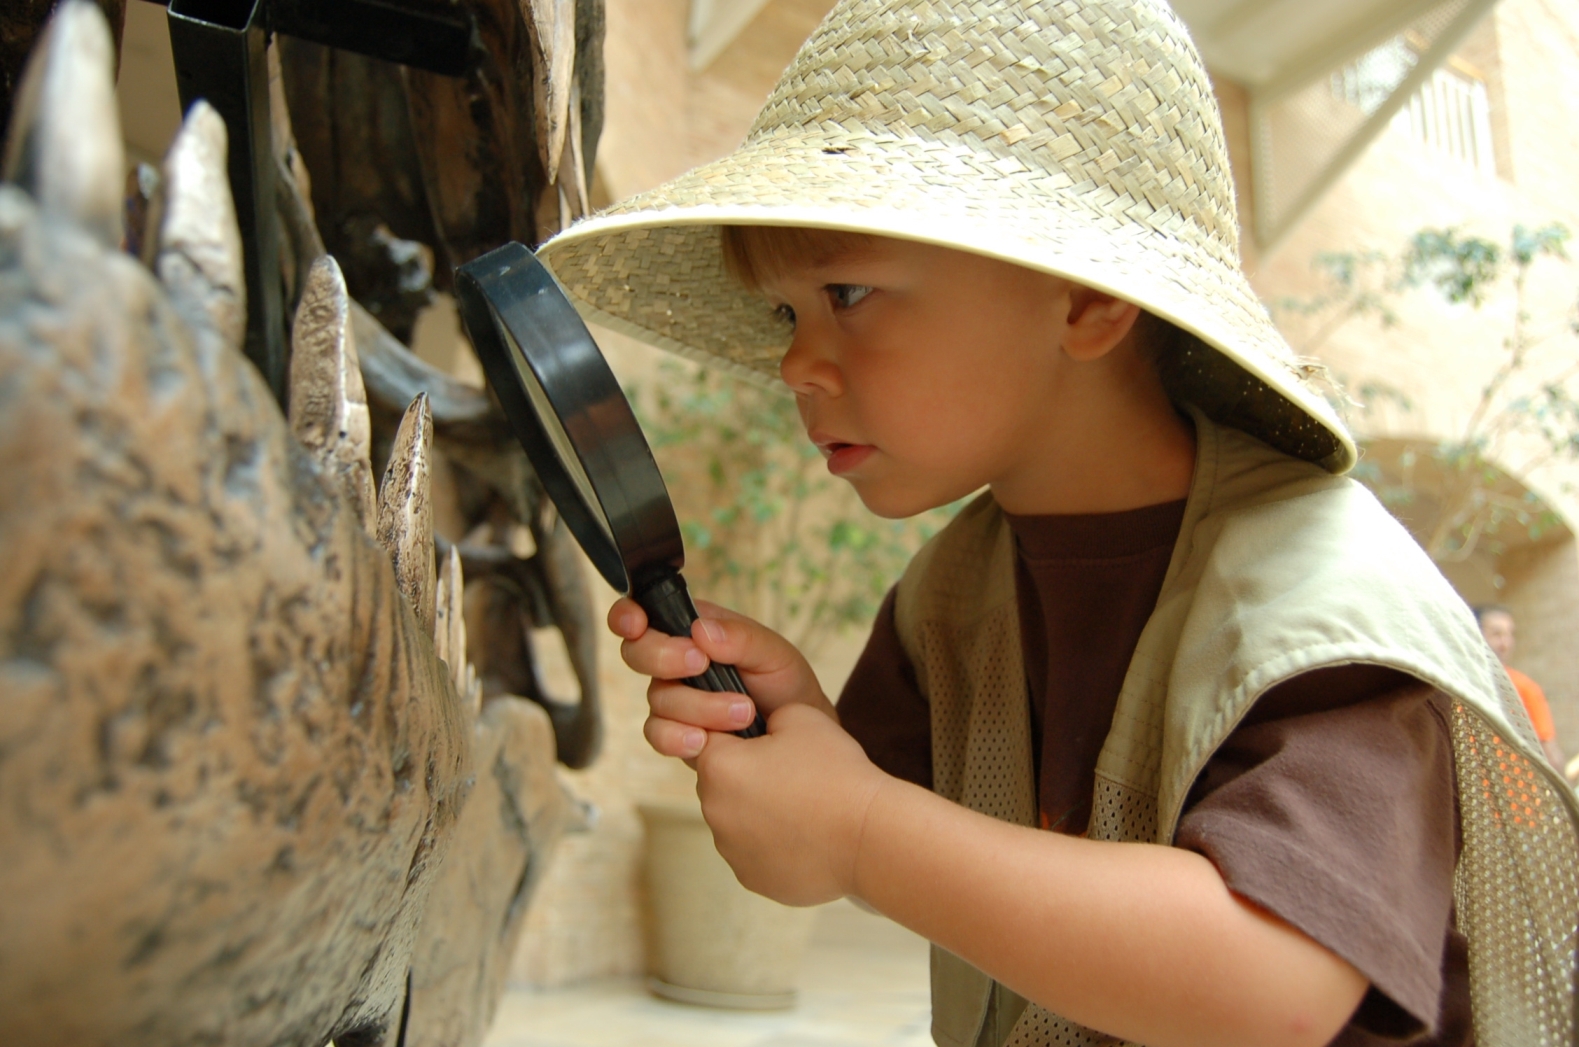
{"points": [[588, 451], [564, 450]]}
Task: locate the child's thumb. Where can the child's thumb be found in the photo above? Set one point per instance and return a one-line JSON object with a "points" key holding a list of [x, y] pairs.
{"points": [[742, 643]]}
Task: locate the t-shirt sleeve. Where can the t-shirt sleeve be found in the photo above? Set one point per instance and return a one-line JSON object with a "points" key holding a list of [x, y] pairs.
{"points": [[882, 706], [1333, 807], [1535, 705]]}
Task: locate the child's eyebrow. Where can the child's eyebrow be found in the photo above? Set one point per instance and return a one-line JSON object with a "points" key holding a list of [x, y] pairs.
{"points": [[840, 254]]}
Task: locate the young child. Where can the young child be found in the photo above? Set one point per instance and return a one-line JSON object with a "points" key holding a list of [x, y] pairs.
{"points": [[1158, 741]]}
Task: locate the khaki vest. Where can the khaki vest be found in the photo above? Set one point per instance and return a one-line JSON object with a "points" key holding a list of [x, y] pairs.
{"points": [[1279, 568]]}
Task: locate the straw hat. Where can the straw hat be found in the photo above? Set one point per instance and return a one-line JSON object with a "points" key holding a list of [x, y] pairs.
{"points": [[1078, 137]]}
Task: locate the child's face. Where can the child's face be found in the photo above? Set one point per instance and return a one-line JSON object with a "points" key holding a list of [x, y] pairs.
{"points": [[922, 373]]}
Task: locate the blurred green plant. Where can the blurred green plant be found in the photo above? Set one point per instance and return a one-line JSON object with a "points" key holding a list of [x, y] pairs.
{"points": [[1526, 415], [768, 531]]}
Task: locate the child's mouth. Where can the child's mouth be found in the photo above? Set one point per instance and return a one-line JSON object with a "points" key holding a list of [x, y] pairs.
{"points": [[843, 457]]}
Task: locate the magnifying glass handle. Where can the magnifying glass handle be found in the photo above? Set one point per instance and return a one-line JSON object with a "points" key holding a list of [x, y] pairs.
{"points": [[670, 610]]}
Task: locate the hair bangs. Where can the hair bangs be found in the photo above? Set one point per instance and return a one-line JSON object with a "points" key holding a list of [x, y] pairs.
{"points": [[755, 254]]}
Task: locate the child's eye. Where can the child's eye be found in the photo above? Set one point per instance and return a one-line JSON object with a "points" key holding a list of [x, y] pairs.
{"points": [[846, 295], [785, 313]]}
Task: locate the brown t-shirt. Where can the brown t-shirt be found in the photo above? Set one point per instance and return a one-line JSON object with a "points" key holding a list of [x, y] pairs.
{"points": [[1331, 805]]}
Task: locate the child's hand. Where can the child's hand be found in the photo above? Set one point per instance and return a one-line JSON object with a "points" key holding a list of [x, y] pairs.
{"points": [[772, 669], [787, 810]]}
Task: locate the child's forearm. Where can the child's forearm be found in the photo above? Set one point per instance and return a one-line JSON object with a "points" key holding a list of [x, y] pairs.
{"points": [[1139, 941]]}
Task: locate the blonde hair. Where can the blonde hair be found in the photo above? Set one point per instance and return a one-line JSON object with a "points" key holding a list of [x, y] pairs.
{"points": [[754, 254]]}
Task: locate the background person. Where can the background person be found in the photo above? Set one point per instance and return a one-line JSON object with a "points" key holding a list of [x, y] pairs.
{"points": [[1496, 625]]}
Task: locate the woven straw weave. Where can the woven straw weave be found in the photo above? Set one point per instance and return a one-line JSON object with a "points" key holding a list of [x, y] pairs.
{"points": [[1079, 138]]}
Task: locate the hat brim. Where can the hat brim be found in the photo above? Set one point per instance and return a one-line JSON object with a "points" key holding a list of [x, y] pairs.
{"points": [[652, 266]]}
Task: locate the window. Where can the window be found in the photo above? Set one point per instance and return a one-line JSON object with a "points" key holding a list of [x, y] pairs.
{"points": [[1366, 82], [1450, 113]]}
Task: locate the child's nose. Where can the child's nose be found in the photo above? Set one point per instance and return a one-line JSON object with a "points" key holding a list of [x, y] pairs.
{"points": [[808, 365]]}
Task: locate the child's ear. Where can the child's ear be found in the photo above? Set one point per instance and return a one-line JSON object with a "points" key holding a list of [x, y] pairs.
{"points": [[1097, 322]]}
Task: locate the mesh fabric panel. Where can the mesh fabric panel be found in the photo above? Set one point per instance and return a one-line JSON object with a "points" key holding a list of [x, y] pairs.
{"points": [[1042, 1028], [994, 776], [1121, 813], [1517, 891]]}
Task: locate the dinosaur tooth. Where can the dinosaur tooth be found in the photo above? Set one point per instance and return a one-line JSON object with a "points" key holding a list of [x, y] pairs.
{"points": [[328, 404], [199, 258], [142, 210], [450, 627], [572, 177], [64, 146], [405, 510], [441, 622], [551, 26]]}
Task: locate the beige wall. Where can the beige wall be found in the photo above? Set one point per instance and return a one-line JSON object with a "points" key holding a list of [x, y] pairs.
{"points": [[1441, 355], [1541, 585], [662, 118], [150, 107]]}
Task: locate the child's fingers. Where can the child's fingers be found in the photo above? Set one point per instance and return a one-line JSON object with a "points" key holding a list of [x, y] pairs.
{"points": [[736, 640], [669, 738], [705, 709], [663, 657], [709, 609], [627, 620]]}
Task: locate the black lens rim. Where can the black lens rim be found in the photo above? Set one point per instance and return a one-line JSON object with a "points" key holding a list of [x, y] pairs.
{"points": [[509, 289]]}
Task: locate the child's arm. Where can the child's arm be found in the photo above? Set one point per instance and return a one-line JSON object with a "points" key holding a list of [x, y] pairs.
{"points": [[1139, 941]]}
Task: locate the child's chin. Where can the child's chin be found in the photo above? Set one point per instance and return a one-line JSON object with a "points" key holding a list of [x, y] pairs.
{"points": [[891, 505]]}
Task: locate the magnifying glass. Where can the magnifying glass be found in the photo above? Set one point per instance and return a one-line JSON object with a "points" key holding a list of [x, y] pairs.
{"points": [[581, 436]]}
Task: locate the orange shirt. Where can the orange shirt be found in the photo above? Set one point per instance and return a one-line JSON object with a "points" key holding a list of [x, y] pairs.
{"points": [[1534, 700]]}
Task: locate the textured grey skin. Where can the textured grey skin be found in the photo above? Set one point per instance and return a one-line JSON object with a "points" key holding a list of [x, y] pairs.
{"points": [[231, 758], [508, 829], [230, 762]]}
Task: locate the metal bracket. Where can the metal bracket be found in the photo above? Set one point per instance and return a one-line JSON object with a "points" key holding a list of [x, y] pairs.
{"points": [[220, 49]]}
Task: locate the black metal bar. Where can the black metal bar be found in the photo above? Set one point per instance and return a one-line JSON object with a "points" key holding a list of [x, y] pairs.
{"points": [[435, 35], [424, 34], [219, 50]]}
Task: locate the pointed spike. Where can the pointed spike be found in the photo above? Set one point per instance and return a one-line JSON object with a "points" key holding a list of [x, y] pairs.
{"points": [[142, 211], [328, 409], [457, 621], [64, 146], [552, 27], [450, 626], [441, 621], [405, 510], [572, 178], [199, 258]]}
